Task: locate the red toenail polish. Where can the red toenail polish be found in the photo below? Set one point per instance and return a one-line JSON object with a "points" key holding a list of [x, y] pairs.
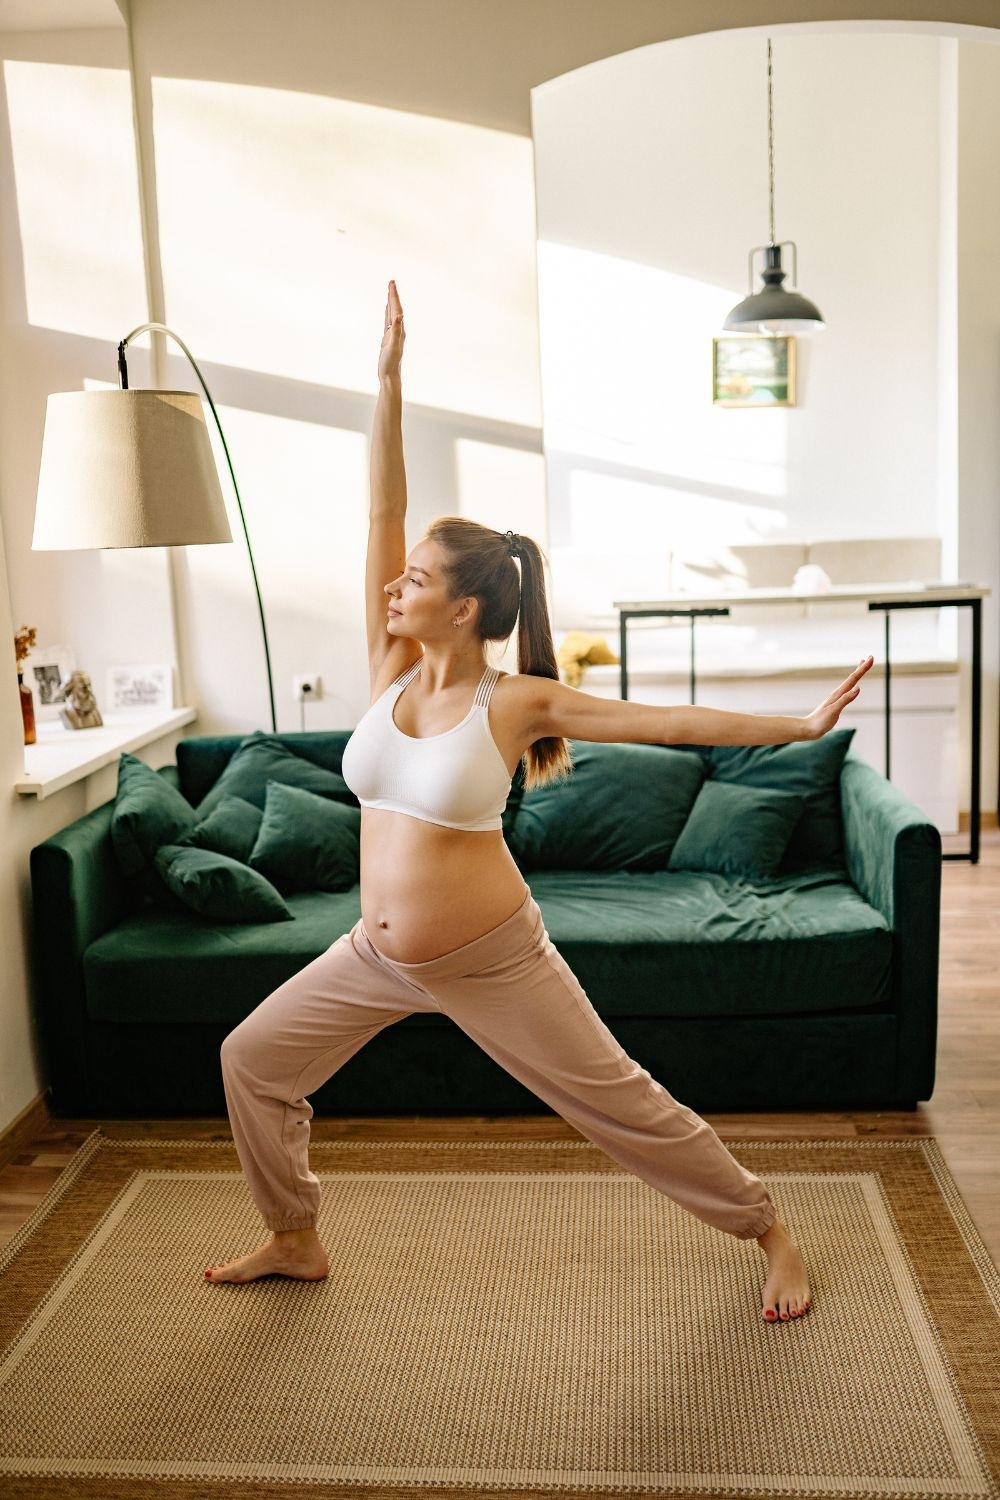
{"points": [[208, 1272]]}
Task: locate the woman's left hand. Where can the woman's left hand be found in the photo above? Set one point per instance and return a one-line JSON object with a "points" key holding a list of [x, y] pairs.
{"points": [[823, 718]]}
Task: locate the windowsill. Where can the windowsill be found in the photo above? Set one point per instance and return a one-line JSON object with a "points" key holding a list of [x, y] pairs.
{"points": [[61, 756]]}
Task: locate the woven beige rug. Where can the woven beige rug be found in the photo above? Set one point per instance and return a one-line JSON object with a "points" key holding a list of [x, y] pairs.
{"points": [[500, 1318]]}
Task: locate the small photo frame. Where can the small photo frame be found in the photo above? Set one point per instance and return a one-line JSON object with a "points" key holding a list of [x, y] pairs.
{"points": [[43, 669], [139, 685], [755, 369]]}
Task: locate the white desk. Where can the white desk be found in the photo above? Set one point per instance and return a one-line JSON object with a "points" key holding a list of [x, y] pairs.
{"points": [[910, 594]]}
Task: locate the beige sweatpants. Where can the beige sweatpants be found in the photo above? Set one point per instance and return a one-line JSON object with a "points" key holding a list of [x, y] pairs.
{"points": [[511, 991]]}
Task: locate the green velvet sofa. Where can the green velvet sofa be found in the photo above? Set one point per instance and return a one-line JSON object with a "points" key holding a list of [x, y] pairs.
{"points": [[817, 990]]}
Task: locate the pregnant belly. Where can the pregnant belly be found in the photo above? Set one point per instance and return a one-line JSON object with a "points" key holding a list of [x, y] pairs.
{"points": [[426, 889]]}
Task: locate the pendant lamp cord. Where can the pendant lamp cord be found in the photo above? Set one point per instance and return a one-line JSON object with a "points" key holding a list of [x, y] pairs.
{"points": [[770, 138]]}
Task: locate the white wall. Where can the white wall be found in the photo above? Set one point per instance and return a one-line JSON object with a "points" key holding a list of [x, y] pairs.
{"points": [[285, 308], [652, 188], [978, 378], [284, 173], [261, 220], [70, 270]]}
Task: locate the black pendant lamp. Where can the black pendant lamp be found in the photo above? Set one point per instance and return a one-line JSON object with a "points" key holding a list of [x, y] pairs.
{"points": [[774, 309]]}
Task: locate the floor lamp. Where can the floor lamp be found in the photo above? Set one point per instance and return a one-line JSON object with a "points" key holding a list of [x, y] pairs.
{"points": [[131, 468]]}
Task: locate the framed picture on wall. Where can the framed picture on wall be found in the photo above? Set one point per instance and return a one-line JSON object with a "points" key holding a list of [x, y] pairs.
{"points": [[755, 369], [44, 669]]}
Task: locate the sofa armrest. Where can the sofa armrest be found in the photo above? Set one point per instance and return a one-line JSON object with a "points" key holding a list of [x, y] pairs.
{"points": [[78, 892], [893, 856]]}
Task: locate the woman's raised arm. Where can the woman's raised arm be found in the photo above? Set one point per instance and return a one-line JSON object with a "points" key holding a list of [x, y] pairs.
{"points": [[386, 529], [388, 476]]}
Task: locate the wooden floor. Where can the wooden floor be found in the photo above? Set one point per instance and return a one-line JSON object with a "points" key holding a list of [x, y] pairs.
{"points": [[963, 1113]]}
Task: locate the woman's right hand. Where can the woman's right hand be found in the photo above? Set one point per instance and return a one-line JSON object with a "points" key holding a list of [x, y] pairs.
{"points": [[392, 339]]}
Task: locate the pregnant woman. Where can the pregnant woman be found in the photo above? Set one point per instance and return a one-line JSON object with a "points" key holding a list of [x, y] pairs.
{"points": [[448, 923]]}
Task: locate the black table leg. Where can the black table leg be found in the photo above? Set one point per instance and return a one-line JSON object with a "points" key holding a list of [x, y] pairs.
{"points": [[623, 654], [624, 615], [972, 853]]}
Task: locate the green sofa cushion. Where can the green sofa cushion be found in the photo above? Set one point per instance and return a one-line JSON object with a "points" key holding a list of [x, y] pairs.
{"points": [[148, 812], [219, 888], [621, 808], [307, 843], [737, 830], [797, 944], [262, 757], [812, 769], [156, 966], [230, 828], [202, 758], [694, 943]]}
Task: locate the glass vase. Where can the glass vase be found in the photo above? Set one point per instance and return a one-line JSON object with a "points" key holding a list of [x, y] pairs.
{"points": [[27, 710]]}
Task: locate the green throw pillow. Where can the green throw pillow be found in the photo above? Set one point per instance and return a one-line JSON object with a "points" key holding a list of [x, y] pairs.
{"points": [[219, 888], [622, 808], [148, 813], [262, 757], [737, 830], [230, 828], [306, 842], [812, 769]]}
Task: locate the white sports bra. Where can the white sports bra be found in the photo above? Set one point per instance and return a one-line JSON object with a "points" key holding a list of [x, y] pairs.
{"points": [[458, 779]]}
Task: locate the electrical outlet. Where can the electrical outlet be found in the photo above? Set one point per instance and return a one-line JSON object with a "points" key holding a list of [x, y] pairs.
{"points": [[306, 687]]}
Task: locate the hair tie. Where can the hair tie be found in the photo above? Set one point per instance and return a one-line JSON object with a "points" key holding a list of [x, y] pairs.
{"points": [[513, 543]]}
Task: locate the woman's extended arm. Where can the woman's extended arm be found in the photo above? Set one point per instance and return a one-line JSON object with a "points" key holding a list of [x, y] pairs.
{"points": [[561, 710]]}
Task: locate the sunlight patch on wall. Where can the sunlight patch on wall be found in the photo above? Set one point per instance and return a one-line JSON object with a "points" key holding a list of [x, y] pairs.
{"points": [[304, 489], [77, 200], [627, 374], [662, 516], [283, 216], [622, 535], [502, 487]]}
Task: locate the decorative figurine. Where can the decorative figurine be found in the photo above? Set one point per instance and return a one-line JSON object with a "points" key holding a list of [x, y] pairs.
{"points": [[83, 712]]}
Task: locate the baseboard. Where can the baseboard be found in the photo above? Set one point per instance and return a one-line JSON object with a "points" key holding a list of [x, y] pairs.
{"points": [[32, 1122], [986, 820]]}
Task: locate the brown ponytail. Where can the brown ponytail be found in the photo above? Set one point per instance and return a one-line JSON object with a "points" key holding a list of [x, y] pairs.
{"points": [[510, 593]]}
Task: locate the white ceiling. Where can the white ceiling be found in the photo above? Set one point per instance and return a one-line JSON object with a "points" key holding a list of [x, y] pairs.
{"points": [[58, 15]]}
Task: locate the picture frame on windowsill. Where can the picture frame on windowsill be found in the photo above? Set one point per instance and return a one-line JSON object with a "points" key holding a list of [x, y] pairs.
{"points": [[137, 686], [43, 670]]}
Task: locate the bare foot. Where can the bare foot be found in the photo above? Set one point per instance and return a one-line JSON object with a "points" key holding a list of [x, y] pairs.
{"points": [[786, 1290], [296, 1253]]}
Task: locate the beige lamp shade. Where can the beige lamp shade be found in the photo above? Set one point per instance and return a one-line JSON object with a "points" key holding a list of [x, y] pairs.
{"points": [[127, 468]]}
